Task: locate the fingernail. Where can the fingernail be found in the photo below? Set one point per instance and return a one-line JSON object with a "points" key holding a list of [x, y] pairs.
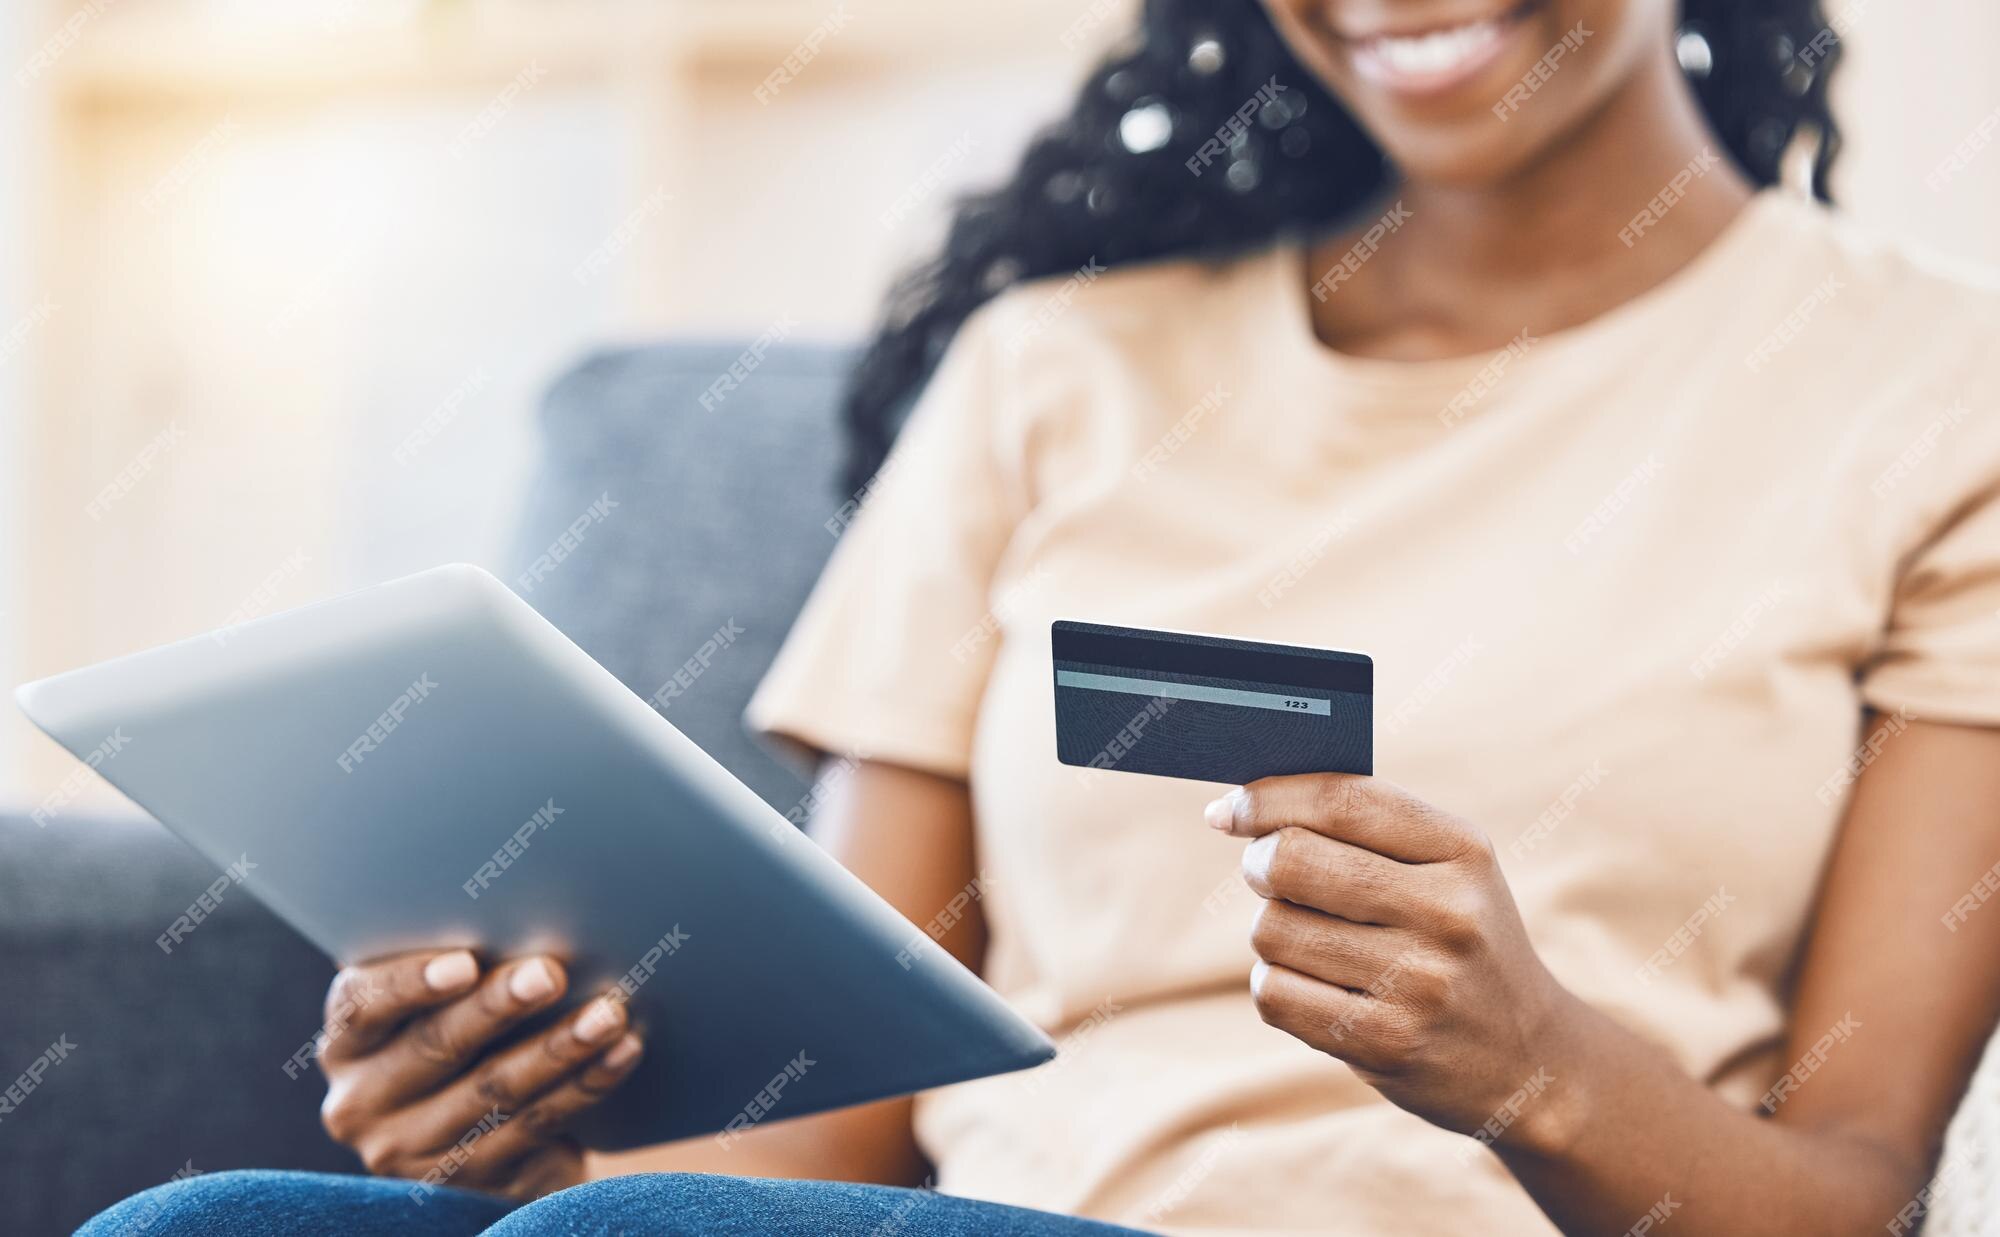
{"points": [[625, 1053], [533, 982], [1221, 814], [599, 1021], [1257, 858], [450, 972]]}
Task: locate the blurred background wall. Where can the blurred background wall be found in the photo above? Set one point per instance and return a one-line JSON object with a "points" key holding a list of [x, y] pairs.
{"points": [[283, 282]]}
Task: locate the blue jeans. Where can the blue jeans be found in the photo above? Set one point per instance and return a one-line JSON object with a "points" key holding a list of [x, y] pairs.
{"points": [[275, 1204]]}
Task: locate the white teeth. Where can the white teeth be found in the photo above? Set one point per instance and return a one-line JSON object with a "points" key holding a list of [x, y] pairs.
{"points": [[1439, 51]]}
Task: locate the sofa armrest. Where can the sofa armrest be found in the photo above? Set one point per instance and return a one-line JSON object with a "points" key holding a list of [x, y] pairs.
{"points": [[142, 1061]]}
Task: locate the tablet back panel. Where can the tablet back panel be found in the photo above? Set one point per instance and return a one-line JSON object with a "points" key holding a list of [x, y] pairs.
{"points": [[429, 763]]}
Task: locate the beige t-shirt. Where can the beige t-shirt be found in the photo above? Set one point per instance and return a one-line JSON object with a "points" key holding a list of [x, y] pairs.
{"points": [[1627, 592]]}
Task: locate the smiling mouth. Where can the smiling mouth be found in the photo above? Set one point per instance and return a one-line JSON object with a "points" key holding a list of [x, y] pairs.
{"points": [[1434, 60]]}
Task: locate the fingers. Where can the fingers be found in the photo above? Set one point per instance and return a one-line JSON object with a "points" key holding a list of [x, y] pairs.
{"points": [[367, 1002], [502, 1113], [1360, 1030], [1377, 961], [443, 1043], [1340, 878], [1365, 811], [508, 1084], [545, 1118]]}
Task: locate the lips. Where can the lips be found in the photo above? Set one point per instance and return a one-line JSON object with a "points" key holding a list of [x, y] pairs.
{"points": [[1440, 51], [1435, 59]]}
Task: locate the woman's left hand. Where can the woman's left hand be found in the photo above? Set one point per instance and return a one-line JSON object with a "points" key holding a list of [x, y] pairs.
{"points": [[1388, 939]]}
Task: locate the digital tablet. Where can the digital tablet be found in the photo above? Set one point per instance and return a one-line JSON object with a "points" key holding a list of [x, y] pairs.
{"points": [[429, 763]]}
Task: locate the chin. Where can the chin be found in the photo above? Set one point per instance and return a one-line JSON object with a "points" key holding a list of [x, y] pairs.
{"points": [[1466, 92], [1460, 160]]}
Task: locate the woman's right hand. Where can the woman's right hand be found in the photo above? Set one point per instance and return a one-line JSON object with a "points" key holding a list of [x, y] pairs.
{"points": [[413, 1088]]}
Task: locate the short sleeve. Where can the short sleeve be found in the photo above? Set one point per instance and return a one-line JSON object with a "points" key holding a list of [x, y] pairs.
{"points": [[1940, 658], [889, 658]]}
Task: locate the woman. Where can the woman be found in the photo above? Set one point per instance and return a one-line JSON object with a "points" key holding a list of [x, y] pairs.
{"points": [[1667, 508]]}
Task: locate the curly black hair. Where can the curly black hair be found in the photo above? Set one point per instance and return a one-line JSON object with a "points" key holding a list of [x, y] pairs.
{"points": [[1084, 190]]}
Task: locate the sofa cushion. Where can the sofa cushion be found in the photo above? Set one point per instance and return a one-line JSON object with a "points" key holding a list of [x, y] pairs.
{"points": [[694, 533]]}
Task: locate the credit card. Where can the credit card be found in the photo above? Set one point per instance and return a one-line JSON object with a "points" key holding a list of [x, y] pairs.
{"points": [[1175, 704]]}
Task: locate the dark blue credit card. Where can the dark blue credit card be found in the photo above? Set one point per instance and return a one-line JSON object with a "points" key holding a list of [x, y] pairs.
{"points": [[1209, 708]]}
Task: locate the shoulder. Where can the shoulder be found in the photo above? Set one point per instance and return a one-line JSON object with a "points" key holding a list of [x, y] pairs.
{"points": [[1896, 340], [1897, 285], [1878, 326], [1139, 309], [1077, 367]]}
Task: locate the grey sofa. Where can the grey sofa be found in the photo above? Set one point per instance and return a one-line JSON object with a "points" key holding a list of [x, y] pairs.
{"points": [[171, 1061]]}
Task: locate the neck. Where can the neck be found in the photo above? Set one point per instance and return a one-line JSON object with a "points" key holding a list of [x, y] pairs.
{"points": [[1543, 247], [1567, 208]]}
